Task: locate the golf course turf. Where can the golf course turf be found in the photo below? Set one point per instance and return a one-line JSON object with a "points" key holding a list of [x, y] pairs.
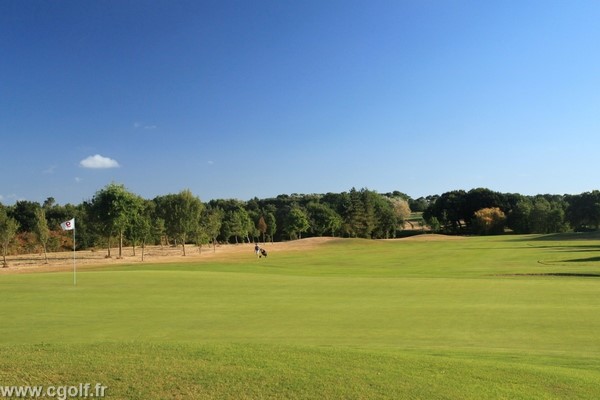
{"points": [[514, 317]]}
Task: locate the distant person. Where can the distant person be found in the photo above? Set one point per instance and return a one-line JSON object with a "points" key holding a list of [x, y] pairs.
{"points": [[257, 250]]}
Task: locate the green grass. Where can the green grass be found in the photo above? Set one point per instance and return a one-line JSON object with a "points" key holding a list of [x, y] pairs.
{"points": [[497, 317]]}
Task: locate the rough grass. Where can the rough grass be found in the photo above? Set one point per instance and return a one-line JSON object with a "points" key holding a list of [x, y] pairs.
{"points": [[473, 318]]}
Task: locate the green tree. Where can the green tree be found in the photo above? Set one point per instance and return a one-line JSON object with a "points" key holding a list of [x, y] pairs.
{"points": [[547, 216], [434, 224], [271, 224], [583, 211], [181, 213], [8, 230], [113, 208], [449, 210], [238, 224], [24, 212], [386, 219], [360, 218], [212, 218], [296, 223], [159, 231], [418, 205], [323, 219], [518, 219], [139, 229], [42, 231]]}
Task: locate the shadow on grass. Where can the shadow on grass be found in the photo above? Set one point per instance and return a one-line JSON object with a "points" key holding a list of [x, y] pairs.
{"points": [[567, 236], [560, 274], [570, 249], [589, 259]]}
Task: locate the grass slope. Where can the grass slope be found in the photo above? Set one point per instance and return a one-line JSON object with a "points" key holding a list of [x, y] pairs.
{"points": [[497, 317]]}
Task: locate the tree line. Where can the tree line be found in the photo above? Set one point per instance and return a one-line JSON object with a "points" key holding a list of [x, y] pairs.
{"points": [[116, 217], [483, 211]]}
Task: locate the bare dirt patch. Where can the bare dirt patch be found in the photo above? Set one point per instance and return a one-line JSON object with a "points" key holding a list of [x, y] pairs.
{"points": [[63, 261]]}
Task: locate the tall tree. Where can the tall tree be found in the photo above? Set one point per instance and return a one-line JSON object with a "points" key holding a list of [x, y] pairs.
{"points": [[181, 213], [8, 230], [386, 220], [238, 224], [113, 208], [546, 216], [449, 210], [24, 212], [518, 219], [159, 231], [583, 210], [211, 221], [296, 222], [41, 231], [139, 229], [360, 218], [323, 219], [271, 225]]}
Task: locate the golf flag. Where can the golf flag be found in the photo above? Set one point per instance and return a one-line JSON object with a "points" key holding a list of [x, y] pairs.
{"points": [[68, 225]]}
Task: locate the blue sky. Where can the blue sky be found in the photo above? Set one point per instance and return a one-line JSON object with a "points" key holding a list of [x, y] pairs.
{"points": [[236, 99]]}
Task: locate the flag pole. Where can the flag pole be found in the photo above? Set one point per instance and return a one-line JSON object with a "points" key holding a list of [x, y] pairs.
{"points": [[70, 226], [74, 265]]}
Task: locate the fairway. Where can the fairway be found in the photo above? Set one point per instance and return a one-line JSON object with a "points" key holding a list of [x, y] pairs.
{"points": [[513, 317]]}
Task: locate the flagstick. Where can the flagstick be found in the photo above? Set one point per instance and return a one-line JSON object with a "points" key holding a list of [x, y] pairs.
{"points": [[74, 267]]}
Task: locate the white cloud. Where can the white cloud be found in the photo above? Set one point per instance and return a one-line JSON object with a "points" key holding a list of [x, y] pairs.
{"points": [[78, 179], [139, 125], [49, 170], [97, 161]]}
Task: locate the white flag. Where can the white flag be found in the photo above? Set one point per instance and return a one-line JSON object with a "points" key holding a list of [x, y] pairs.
{"points": [[68, 225]]}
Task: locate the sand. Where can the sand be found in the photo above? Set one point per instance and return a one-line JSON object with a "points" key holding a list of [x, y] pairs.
{"points": [[63, 261]]}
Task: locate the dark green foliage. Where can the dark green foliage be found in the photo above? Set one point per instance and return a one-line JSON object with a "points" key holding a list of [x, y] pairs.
{"points": [[449, 210], [296, 222], [271, 224], [113, 209], [418, 205], [114, 212], [583, 210], [518, 219], [324, 221], [181, 213], [24, 212], [539, 214], [210, 222]]}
